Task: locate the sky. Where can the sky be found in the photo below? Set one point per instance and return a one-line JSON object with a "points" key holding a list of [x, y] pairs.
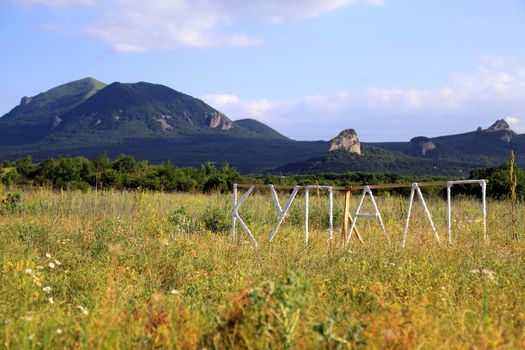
{"points": [[390, 69]]}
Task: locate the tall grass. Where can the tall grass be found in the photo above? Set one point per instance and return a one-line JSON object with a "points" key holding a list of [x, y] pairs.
{"points": [[120, 270]]}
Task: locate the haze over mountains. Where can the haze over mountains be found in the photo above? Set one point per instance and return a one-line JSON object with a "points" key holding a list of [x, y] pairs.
{"points": [[154, 122]]}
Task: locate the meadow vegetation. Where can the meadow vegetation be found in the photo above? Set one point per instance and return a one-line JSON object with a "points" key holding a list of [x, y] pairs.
{"points": [[124, 270]]}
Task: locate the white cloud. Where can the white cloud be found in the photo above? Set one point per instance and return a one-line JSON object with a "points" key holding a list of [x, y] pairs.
{"points": [[222, 99], [469, 101], [512, 120], [497, 61], [254, 108], [138, 25]]}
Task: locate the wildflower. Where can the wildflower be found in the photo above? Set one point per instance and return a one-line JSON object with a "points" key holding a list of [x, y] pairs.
{"points": [[47, 289], [51, 265], [58, 262], [48, 255], [491, 275], [59, 331], [30, 271], [51, 301], [83, 310], [36, 281], [175, 292]]}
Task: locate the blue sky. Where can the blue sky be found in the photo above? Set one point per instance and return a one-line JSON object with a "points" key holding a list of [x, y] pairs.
{"points": [[391, 69]]}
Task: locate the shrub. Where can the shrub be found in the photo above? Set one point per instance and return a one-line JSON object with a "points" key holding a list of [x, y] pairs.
{"points": [[264, 317], [11, 202], [183, 223], [216, 220]]}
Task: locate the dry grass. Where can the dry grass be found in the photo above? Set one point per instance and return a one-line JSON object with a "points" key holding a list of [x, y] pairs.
{"points": [[133, 270]]}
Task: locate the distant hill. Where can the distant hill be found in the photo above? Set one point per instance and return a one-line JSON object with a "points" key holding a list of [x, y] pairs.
{"points": [[138, 110], [376, 160], [155, 122], [150, 121], [259, 128], [486, 146], [37, 116], [452, 155]]}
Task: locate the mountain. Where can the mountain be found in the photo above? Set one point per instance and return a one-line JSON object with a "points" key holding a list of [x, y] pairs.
{"points": [[375, 160], [451, 155], [147, 120], [259, 128], [36, 117], [157, 123], [486, 146], [142, 110]]}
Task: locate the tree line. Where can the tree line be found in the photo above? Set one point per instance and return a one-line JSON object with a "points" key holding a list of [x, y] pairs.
{"points": [[125, 172], [122, 173]]}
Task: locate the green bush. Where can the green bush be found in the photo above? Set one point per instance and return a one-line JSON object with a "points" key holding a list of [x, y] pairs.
{"points": [[216, 220], [265, 317], [11, 202], [183, 223]]}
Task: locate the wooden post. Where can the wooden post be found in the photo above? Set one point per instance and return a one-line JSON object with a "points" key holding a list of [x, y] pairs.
{"points": [[347, 219], [346, 213]]}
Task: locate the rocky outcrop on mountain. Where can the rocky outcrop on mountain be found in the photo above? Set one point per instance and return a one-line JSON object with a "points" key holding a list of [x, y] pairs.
{"points": [[502, 127], [347, 141], [25, 100], [499, 125], [420, 146], [219, 121], [164, 123], [55, 122]]}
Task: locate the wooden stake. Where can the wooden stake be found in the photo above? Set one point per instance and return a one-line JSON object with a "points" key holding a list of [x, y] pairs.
{"points": [[346, 213], [347, 219]]}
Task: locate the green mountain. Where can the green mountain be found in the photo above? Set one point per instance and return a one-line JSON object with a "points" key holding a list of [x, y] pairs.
{"points": [[141, 110], [484, 146], [154, 122], [375, 160], [36, 117], [451, 155], [259, 128], [151, 122]]}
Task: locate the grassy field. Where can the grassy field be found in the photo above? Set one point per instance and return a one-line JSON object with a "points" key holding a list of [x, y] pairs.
{"points": [[119, 270]]}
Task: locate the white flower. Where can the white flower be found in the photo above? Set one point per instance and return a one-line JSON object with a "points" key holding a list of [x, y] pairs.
{"points": [[58, 262], [47, 289], [28, 271], [51, 265], [48, 255], [59, 331], [175, 292], [83, 310], [491, 275], [51, 301]]}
